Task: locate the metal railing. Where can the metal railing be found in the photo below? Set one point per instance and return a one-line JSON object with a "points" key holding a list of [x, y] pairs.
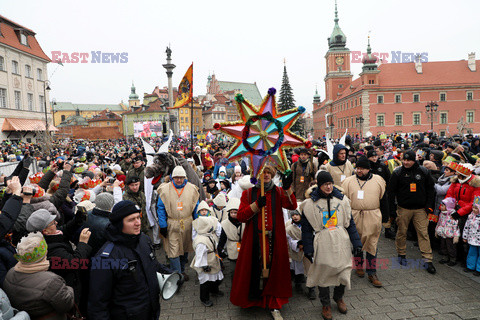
{"points": [[7, 168]]}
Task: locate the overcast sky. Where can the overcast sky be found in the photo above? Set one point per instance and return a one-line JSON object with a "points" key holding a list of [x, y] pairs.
{"points": [[243, 41]]}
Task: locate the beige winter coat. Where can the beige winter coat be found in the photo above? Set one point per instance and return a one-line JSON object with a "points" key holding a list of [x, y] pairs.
{"points": [[179, 222], [366, 212], [337, 172], [332, 260]]}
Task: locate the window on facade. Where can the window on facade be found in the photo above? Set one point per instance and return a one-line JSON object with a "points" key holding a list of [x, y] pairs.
{"points": [[2, 64], [416, 97], [470, 117], [398, 119], [18, 99], [187, 128], [23, 39], [41, 102], [14, 67], [416, 118], [39, 74], [398, 98], [181, 111], [28, 71], [63, 117], [30, 101], [183, 128], [469, 95], [443, 118], [379, 99], [443, 96], [380, 120], [360, 100], [340, 85], [347, 123], [3, 98], [186, 111], [196, 120]]}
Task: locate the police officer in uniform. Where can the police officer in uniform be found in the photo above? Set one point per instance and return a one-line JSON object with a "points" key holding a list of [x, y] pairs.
{"points": [[123, 280]]}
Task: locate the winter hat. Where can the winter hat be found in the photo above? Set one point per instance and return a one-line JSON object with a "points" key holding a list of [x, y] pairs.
{"points": [[409, 155], [82, 195], [438, 155], [222, 169], [89, 174], [116, 168], [226, 183], [178, 171], [233, 204], [132, 179], [371, 153], [31, 248], [238, 169], [39, 220], [220, 200], [293, 212], [87, 205], [123, 209], [203, 206], [362, 162], [449, 203], [244, 183], [323, 177], [104, 202]]}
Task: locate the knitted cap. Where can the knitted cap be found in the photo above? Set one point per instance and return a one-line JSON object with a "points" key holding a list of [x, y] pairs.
{"points": [[363, 162], [371, 153], [123, 209], [31, 248], [178, 171], [39, 220], [409, 155], [323, 177], [104, 201]]}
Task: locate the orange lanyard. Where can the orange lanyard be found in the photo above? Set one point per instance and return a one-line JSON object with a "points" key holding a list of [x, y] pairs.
{"points": [[179, 194]]}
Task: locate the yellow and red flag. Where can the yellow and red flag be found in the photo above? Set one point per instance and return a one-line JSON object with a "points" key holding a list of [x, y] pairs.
{"points": [[185, 89]]}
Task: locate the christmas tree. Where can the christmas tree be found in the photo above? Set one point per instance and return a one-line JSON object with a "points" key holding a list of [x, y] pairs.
{"points": [[286, 101]]}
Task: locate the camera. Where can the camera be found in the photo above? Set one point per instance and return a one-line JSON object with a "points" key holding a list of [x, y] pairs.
{"points": [[32, 193], [111, 180]]}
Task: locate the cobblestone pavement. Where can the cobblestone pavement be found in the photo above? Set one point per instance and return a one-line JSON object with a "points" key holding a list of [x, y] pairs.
{"points": [[407, 294]]}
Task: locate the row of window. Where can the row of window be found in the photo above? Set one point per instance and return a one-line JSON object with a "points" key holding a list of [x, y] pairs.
{"points": [[187, 119], [186, 111], [100, 124], [187, 128], [16, 69], [348, 104], [416, 120], [416, 97], [18, 100]]}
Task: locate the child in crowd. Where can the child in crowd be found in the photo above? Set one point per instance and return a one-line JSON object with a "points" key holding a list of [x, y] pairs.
{"points": [[471, 235], [448, 232], [232, 232], [299, 263], [205, 232], [219, 203]]}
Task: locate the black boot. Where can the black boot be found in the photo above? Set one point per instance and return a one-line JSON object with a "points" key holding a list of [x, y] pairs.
{"points": [[311, 293], [402, 259], [444, 260], [430, 268], [205, 294]]}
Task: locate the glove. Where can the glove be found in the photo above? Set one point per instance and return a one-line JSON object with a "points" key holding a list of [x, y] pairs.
{"points": [[262, 201], [207, 269], [309, 256], [357, 251], [287, 180], [455, 215], [163, 232], [222, 254]]}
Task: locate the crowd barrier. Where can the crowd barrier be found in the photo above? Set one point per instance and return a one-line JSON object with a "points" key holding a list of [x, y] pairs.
{"points": [[7, 168]]}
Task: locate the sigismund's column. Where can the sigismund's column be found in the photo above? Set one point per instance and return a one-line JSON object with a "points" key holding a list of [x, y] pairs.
{"points": [[172, 114]]}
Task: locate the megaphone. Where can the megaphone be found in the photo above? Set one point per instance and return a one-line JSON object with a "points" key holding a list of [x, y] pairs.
{"points": [[168, 284]]}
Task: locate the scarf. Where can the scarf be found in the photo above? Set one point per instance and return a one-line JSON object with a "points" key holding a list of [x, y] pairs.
{"points": [[38, 266], [268, 186], [366, 177], [306, 165]]}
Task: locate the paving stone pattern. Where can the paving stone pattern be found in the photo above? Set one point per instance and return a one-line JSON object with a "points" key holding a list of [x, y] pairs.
{"points": [[407, 294]]}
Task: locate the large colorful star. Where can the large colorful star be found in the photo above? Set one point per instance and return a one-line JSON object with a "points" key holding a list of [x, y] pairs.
{"points": [[263, 133]]}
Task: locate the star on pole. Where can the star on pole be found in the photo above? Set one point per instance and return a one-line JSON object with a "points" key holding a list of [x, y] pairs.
{"points": [[263, 133]]}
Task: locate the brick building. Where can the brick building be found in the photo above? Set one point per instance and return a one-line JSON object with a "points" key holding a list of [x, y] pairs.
{"points": [[391, 98]]}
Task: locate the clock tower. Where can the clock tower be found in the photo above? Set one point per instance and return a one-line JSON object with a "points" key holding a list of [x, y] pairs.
{"points": [[338, 76]]}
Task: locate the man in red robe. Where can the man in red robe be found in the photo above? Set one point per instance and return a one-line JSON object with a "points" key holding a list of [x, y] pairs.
{"points": [[249, 289]]}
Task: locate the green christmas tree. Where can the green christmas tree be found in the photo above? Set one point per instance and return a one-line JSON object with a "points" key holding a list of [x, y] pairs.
{"points": [[287, 102]]}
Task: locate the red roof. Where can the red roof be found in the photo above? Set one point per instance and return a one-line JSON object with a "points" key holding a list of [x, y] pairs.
{"points": [[11, 124], [9, 37], [433, 73], [106, 116]]}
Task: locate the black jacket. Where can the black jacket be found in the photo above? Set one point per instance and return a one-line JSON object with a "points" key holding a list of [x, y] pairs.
{"points": [[130, 289], [8, 216], [97, 222], [380, 169], [413, 188]]}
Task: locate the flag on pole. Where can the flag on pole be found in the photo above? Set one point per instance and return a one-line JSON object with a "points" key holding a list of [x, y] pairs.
{"points": [[185, 89]]}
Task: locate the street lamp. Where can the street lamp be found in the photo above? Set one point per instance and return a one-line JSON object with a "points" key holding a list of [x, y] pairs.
{"points": [[46, 87], [431, 110], [359, 120]]}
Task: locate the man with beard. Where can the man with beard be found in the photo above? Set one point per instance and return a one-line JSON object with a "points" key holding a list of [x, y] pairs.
{"points": [[303, 173], [366, 192], [134, 194], [340, 168], [412, 186]]}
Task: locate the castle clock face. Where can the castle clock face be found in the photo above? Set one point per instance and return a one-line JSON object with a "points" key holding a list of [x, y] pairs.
{"points": [[339, 60]]}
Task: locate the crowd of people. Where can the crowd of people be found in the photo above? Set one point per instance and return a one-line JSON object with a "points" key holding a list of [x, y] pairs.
{"points": [[85, 234]]}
